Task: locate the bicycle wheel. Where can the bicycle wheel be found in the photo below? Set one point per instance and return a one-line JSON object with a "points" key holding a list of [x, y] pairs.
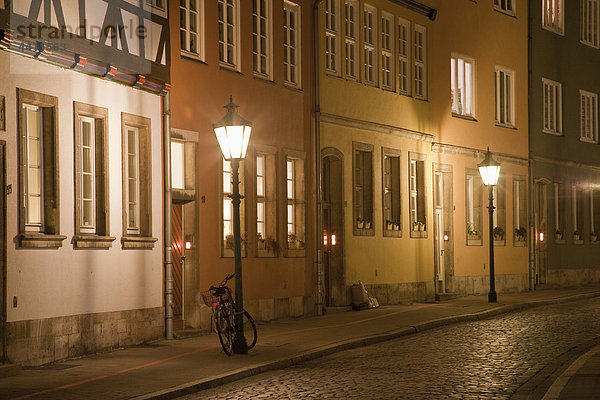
{"points": [[224, 326], [250, 330]]}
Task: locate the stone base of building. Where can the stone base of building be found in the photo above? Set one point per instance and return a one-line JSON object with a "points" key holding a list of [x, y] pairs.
{"points": [[479, 285], [398, 293], [40, 341], [261, 310], [560, 278]]}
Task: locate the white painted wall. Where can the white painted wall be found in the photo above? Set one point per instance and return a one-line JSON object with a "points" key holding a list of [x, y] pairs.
{"points": [[69, 281]]}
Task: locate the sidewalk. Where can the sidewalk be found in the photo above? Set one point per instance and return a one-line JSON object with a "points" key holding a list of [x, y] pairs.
{"points": [[168, 369]]}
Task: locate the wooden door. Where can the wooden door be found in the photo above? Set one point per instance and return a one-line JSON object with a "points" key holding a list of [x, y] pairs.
{"points": [[2, 254], [177, 253]]}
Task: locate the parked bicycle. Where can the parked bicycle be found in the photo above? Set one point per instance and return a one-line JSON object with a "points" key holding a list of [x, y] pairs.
{"points": [[220, 300]]}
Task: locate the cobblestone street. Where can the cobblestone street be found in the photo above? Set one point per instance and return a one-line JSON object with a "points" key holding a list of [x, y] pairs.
{"points": [[487, 359]]}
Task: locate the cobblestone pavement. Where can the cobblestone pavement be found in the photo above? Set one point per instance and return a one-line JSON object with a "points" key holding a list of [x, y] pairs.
{"points": [[486, 359]]}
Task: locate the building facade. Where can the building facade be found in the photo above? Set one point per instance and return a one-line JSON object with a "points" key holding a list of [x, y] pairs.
{"points": [[564, 148], [80, 140], [260, 53]]}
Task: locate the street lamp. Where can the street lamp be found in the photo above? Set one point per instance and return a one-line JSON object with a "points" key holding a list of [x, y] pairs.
{"points": [[233, 135], [489, 169]]}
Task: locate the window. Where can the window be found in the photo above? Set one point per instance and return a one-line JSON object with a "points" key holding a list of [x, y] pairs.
{"points": [[473, 190], [589, 117], [191, 27], [228, 33], [331, 36], [351, 40], [291, 43], [499, 216], [177, 164], [577, 209], [520, 211], [419, 60], [91, 177], [505, 107], [363, 189], [553, 15], [296, 204], [462, 81], [417, 200], [552, 112], [391, 193], [38, 163], [266, 205], [506, 6], [589, 22], [137, 199], [594, 214], [559, 213], [404, 81], [160, 4], [370, 44], [227, 240], [387, 51], [261, 37]]}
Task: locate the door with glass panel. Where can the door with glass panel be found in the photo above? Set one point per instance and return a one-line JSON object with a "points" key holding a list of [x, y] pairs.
{"points": [[443, 219], [541, 230]]}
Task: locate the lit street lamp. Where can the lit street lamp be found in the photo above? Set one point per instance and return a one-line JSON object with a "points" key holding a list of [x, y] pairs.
{"points": [[489, 169], [233, 135]]}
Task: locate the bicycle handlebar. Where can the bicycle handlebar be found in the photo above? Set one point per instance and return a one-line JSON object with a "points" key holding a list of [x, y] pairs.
{"points": [[227, 278]]}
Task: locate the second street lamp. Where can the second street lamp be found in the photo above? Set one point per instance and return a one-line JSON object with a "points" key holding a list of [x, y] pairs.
{"points": [[233, 135], [489, 169]]}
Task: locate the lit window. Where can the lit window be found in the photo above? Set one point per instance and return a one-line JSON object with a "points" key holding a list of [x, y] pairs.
{"points": [[331, 36], [160, 4], [228, 32], [351, 40], [589, 22], [266, 204], [520, 210], [559, 213], [552, 112], [87, 154], [404, 81], [370, 44], [363, 189], [553, 15], [132, 185], [177, 164], [261, 37], [589, 116], [387, 51], [506, 6], [295, 207], [505, 88], [594, 214], [227, 204], [291, 43], [474, 186], [34, 170], [191, 27], [420, 62], [417, 201], [391, 194], [462, 71], [577, 209]]}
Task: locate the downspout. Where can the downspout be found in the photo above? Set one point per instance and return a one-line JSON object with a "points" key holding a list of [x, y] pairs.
{"points": [[167, 217], [319, 216], [533, 234]]}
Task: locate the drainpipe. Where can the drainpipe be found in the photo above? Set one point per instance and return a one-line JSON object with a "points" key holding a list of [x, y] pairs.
{"points": [[167, 217], [319, 222]]}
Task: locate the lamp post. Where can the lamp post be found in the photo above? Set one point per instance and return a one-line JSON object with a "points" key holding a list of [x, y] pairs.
{"points": [[489, 169], [233, 135]]}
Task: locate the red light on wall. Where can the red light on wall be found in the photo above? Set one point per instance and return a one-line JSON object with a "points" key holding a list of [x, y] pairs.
{"points": [[333, 240], [324, 240], [188, 242], [446, 237], [541, 236]]}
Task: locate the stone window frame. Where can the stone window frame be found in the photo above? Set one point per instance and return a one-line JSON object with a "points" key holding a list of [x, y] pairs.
{"points": [[394, 198], [270, 177], [101, 237], [420, 192], [520, 213], [50, 236], [296, 248], [144, 239], [499, 216], [594, 207], [577, 210], [228, 252], [473, 206], [367, 201], [559, 212]]}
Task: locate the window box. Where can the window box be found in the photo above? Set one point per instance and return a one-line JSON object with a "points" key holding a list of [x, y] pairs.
{"points": [[138, 242], [93, 241], [40, 240], [499, 243]]}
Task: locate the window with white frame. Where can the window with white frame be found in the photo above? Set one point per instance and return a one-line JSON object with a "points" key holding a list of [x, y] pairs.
{"points": [[404, 82], [462, 80], [552, 113], [590, 19], [191, 27], [228, 32], [291, 43], [505, 103], [589, 116], [417, 201], [370, 44], [420, 62], [473, 188], [506, 6], [295, 194], [160, 4], [34, 168], [499, 203], [391, 193], [363, 189], [553, 15], [594, 214], [266, 205], [177, 164], [519, 209], [332, 36], [577, 210], [559, 213], [261, 37], [132, 185], [260, 196], [227, 239], [87, 154], [351, 39], [387, 51]]}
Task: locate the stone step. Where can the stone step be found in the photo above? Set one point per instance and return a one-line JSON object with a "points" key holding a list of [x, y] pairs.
{"points": [[445, 296], [335, 310], [7, 370]]}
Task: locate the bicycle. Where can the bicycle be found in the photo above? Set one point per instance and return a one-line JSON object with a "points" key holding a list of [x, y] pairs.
{"points": [[220, 300]]}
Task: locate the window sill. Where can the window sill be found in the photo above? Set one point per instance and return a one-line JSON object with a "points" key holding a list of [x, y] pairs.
{"points": [[560, 241], [499, 243], [263, 78], [591, 141], [138, 242], [553, 30], [333, 74], [230, 68], [228, 252], [578, 242], [40, 240], [588, 44], [263, 253], [465, 117], [418, 234], [292, 86], [294, 253], [92, 241], [520, 243], [509, 13], [364, 232], [507, 126], [192, 57], [595, 242], [474, 242], [553, 133], [392, 233]]}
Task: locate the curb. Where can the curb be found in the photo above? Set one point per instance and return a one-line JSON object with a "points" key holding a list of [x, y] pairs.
{"points": [[285, 362]]}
